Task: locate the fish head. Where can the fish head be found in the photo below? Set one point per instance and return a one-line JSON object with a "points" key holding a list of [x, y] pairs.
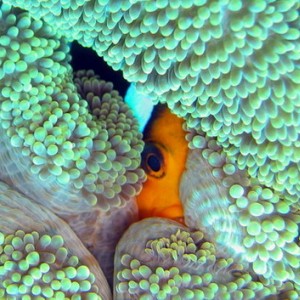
{"points": [[163, 160]]}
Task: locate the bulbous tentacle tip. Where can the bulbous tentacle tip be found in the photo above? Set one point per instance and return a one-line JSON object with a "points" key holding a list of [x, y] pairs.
{"points": [[207, 204], [160, 258], [249, 221], [40, 255], [70, 140]]}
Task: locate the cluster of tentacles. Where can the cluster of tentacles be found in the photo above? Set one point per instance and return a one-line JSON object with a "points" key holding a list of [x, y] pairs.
{"points": [[70, 150]]}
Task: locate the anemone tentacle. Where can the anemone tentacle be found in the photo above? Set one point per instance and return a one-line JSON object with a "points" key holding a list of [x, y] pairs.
{"points": [[70, 144], [228, 205], [69, 150], [40, 255], [173, 262], [230, 68]]}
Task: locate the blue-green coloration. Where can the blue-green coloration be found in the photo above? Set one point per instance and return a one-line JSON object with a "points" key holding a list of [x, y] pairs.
{"points": [[141, 105], [231, 68]]}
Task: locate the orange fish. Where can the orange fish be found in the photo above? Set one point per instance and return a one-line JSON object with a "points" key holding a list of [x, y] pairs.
{"points": [[163, 160]]}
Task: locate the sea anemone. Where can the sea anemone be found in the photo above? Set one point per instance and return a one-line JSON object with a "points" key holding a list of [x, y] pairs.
{"points": [[70, 144], [40, 255], [230, 68]]}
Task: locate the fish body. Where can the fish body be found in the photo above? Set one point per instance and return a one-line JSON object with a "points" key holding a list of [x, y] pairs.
{"points": [[140, 104]]}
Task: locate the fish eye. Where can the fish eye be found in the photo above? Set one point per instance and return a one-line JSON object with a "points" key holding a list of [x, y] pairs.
{"points": [[152, 161]]}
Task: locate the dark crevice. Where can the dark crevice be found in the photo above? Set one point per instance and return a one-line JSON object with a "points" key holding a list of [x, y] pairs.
{"points": [[86, 58]]}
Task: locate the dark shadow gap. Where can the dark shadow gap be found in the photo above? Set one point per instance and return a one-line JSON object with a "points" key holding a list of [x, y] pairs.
{"points": [[86, 58]]}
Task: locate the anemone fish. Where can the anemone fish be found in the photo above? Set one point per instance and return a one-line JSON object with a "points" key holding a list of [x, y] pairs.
{"points": [[185, 184], [231, 69], [163, 160], [180, 184]]}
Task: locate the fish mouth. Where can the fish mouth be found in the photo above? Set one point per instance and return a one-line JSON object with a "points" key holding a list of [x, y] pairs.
{"points": [[179, 220], [174, 212]]}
